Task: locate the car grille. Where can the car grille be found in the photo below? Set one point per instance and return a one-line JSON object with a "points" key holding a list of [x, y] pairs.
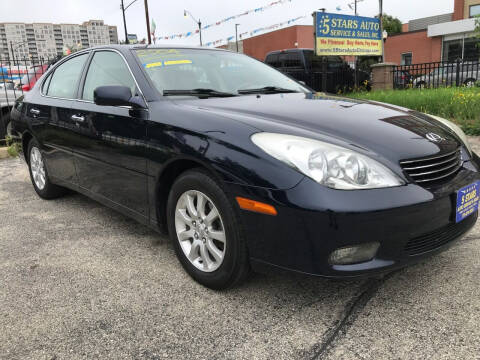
{"points": [[439, 237], [428, 170]]}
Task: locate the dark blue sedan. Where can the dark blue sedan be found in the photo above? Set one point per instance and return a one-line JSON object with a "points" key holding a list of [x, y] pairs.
{"points": [[244, 167]]}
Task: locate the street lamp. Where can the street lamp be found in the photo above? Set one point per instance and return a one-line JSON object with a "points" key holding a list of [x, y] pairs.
{"points": [[124, 8], [17, 45], [187, 13], [236, 35], [380, 16]]}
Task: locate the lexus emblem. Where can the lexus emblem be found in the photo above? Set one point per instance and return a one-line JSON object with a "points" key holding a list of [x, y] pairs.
{"points": [[434, 137]]}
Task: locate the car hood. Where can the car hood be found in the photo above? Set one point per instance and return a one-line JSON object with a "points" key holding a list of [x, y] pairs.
{"points": [[376, 129]]}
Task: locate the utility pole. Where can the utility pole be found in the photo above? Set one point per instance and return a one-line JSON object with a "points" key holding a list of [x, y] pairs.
{"points": [[200, 31], [355, 59], [148, 23], [380, 16], [13, 54], [236, 35], [324, 58], [124, 22]]}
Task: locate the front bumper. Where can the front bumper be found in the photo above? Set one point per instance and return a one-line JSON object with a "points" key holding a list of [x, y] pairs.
{"points": [[410, 223]]}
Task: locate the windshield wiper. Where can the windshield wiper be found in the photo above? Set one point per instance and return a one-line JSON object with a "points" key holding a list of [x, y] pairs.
{"points": [[267, 90], [198, 92]]}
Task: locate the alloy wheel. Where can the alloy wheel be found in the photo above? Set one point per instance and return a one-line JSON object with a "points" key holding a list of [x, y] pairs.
{"points": [[37, 167], [200, 230]]}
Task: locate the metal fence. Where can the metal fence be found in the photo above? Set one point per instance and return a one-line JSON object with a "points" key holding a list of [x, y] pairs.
{"points": [[436, 74], [338, 79], [17, 76]]}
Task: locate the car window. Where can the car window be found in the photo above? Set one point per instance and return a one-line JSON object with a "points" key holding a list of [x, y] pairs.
{"points": [[107, 69], [273, 60], [188, 69], [65, 78], [314, 62], [292, 60]]}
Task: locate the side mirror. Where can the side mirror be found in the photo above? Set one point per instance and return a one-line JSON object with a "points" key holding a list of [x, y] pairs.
{"points": [[116, 96]]}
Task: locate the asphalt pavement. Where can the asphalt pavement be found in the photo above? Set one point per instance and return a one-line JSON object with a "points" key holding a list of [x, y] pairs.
{"points": [[80, 281]]}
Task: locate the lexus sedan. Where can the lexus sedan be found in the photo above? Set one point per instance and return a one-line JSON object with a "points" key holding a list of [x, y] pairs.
{"points": [[245, 168]]}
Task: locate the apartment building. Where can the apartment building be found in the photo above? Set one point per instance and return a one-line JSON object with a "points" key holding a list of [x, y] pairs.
{"points": [[46, 40]]}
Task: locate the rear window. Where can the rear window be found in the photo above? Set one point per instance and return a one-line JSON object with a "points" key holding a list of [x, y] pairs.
{"points": [[273, 60], [292, 60], [315, 62]]}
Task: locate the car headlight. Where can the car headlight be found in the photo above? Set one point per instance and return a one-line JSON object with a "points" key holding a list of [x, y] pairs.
{"points": [[456, 129], [327, 164]]}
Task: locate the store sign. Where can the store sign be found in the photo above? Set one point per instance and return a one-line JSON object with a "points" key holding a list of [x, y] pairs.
{"points": [[337, 34]]}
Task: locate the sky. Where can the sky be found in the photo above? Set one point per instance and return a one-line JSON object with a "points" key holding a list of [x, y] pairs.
{"points": [[168, 15]]}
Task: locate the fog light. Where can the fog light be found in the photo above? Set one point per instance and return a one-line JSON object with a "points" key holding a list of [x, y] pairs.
{"points": [[354, 254]]}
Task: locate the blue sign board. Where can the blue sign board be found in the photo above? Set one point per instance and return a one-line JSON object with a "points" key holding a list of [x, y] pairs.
{"points": [[337, 34]]}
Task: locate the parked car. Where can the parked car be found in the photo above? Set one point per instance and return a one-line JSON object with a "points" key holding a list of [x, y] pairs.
{"points": [[6, 85], [7, 100], [305, 66], [402, 79], [446, 75], [34, 73], [244, 167]]}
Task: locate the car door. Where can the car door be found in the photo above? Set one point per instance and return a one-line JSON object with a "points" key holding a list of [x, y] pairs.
{"points": [[109, 150], [50, 117]]}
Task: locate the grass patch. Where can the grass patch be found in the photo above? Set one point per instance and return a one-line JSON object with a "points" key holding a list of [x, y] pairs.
{"points": [[459, 104], [13, 148]]}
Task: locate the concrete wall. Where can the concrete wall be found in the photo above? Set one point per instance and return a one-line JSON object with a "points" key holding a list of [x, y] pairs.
{"points": [[423, 48], [424, 23], [300, 36]]}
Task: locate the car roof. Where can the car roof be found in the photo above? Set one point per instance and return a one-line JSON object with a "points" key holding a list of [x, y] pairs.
{"points": [[288, 50], [160, 46]]}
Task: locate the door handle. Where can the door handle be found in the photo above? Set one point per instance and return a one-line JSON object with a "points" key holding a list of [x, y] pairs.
{"points": [[78, 118], [35, 111]]}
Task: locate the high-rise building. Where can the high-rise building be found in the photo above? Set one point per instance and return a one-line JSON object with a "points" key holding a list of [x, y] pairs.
{"points": [[46, 40]]}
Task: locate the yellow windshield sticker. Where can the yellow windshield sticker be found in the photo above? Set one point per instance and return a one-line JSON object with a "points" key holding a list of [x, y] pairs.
{"points": [[176, 62], [155, 64], [166, 63]]}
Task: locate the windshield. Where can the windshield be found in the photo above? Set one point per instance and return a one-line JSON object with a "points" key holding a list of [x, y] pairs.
{"points": [[225, 72]]}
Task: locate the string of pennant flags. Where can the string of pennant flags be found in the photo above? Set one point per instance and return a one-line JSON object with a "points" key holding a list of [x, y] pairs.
{"points": [[223, 21], [254, 32]]}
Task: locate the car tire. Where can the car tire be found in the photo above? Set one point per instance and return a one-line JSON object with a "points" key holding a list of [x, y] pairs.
{"points": [[39, 174], [211, 262], [470, 82]]}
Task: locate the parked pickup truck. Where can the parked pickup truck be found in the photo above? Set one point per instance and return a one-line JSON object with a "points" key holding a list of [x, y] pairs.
{"points": [[303, 65]]}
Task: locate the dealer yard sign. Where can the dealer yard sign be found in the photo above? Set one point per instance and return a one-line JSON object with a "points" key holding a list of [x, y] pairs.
{"points": [[347, 35]]}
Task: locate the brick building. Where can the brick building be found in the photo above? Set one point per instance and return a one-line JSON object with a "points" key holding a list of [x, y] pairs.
{"points": [[437, 38], [298, 36]]}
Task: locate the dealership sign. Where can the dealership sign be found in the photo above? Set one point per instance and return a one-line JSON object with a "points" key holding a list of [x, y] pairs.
{"points": [[347, 35]]}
